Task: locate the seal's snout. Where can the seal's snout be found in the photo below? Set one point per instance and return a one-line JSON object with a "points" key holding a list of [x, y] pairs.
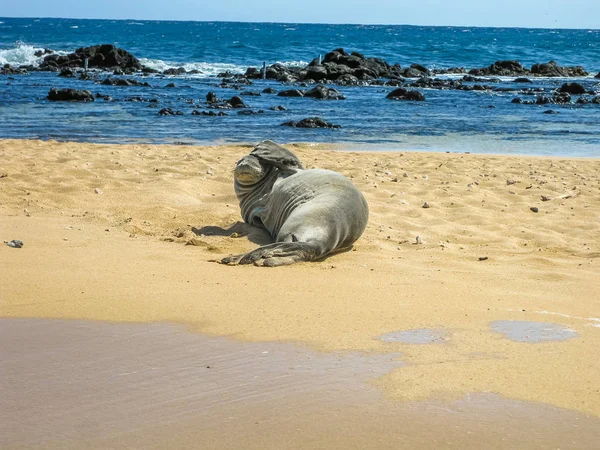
{"points": [[248, 170]]}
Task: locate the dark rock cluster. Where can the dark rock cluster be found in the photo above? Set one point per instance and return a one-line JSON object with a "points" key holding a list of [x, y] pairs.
{"points": [[73, 95], [310, 122], [104, 57], [406, 94], [516, 69]]}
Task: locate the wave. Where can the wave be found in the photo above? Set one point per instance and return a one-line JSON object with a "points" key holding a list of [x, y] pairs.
{"points": [[23, 55], [206, 69]]}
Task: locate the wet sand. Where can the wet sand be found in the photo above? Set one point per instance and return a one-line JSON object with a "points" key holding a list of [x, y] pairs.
{"points": [[105, 229], [76, 384]]}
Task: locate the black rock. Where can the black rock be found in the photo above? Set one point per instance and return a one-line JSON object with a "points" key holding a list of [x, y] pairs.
{"points": [[552, 69], [41, 53], [310, 122], [169, 112], [550, 111], [562, 97], [7, 69], [105, 56], [237, 102], [405, 94], [211, 97], [572, 88], [516, 100], [270, 90], [66, 73], [249, 112], [597, 75], [324, 93], [70, 95], [316, 73], [291, 93], [105, 97], [278, 108], [170, 85], [501, 68], [348, 80], [522, 80], [543, 100], [174, 71], [123, 82]]}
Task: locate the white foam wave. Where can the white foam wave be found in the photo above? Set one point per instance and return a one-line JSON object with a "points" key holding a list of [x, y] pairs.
{"points": [[23, 55], [206, 69], [293, 63]]}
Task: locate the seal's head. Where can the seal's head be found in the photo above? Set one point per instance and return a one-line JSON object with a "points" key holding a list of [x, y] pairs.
{"points": [[249, 170]]}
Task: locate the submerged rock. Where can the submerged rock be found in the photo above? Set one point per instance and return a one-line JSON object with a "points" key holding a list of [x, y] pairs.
{"points": [[572, 88], [74, 95], [310, 122], [406, 94], [324, 93]]}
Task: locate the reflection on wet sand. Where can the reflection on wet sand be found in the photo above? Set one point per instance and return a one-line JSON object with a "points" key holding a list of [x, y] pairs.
{"points": [[78, 384]]}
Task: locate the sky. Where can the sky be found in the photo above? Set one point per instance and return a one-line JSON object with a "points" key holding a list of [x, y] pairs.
{"points": [[493, 13]]}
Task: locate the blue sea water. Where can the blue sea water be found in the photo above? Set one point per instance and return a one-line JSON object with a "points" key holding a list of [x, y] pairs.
{"points": [[482, 122]]}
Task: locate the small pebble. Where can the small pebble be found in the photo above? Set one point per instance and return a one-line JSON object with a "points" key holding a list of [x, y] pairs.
{"points": [[97, 191], [483, 258], [534, 209], [15, 243], [509, 182], [418, 240], [426, 205]]}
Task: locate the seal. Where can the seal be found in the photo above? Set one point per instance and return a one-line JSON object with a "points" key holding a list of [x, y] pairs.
{"points": [[310, 213]]}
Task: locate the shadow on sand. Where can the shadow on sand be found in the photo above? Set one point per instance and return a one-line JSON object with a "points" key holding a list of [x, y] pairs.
{"points": [[256, 235]]}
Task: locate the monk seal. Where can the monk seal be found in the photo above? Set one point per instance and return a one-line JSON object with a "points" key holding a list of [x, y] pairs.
{"points": [[310, 213]]}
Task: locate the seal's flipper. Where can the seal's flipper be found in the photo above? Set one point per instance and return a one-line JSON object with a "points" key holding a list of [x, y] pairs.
{"points": [[278, 156], [278, 254]]}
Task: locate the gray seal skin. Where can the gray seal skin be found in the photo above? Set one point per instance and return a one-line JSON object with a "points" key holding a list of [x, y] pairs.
{"points": [[310, 213]]}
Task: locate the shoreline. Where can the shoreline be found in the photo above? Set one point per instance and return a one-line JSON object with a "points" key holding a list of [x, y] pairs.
{"points": [[339, 146], [61, 198]]}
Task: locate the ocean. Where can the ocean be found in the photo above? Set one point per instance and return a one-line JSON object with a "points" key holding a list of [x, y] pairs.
{"points": [[449, 120]]}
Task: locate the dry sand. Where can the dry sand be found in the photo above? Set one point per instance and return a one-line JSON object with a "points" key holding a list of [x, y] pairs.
{"points": [[105, 228]]}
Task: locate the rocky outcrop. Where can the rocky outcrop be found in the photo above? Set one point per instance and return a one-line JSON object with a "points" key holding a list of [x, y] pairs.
{"points": [[123, 82], [324, 93], [310, 122], [106, 57], [40, 53], [169, 112], [236, 102], [174, 71], [572, 88], [406, 94], [7, 69], [291, 93], [552, 69], [501, 68], [208, 113], [70, 95]]}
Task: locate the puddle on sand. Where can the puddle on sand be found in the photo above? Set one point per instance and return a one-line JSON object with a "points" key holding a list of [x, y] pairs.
{"points": [[532, 332], [416, 336], [77, 384]]}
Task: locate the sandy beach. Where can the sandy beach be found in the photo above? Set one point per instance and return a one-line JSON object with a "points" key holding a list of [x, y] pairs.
{"points": [[130, 234]]}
